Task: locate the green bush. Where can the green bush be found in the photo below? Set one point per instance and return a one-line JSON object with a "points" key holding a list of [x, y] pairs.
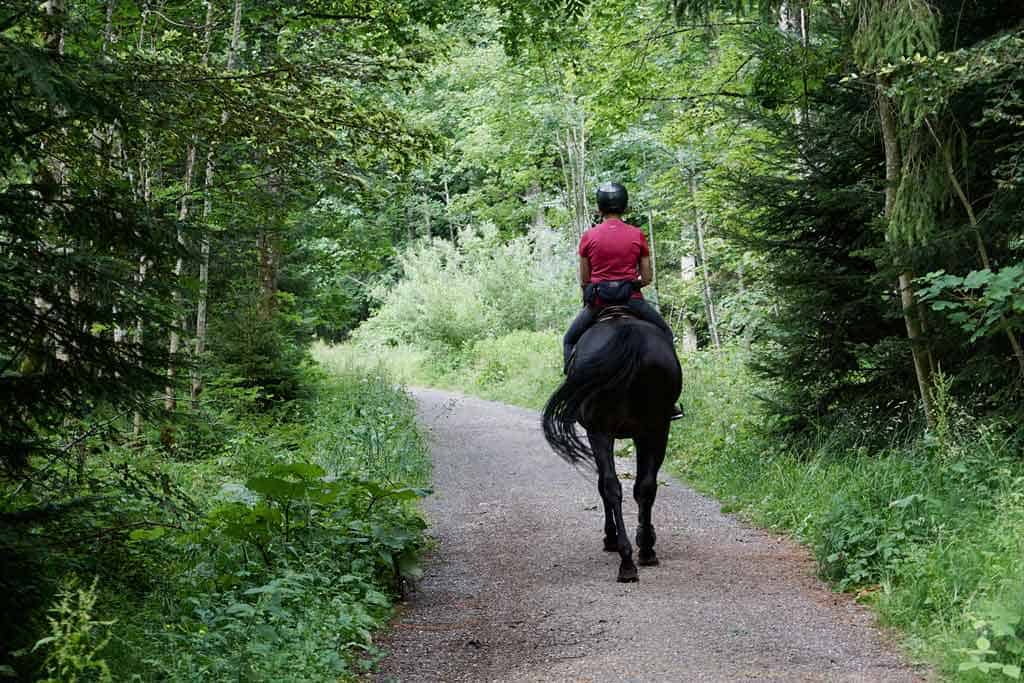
{"points": [[522, 368], [451, 295]]}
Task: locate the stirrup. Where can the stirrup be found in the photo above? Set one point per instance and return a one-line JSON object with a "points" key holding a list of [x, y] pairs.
{"points": [[677, 412]]}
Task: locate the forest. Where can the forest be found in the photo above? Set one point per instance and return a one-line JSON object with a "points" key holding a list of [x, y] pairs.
{"points": [[231, 231]]}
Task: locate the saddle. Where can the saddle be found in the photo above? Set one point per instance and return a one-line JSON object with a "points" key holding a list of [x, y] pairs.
{"points": [[605, 314], [609, 313]]}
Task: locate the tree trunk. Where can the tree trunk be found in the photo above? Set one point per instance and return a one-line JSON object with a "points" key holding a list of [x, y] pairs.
{"points": [[979, 243], [53, 26], [893, 174], [535, 197], [688, 273], [575, 163], [709, 300], [108, 27], [268, 248], [170, 400], [204, 246], [145, 193], [448, 206], [654, 260]]}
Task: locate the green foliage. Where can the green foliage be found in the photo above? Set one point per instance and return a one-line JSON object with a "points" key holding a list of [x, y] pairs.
{"points": [[927, 529], [521, 368], [76, 639], [891, 29], [303, 530], [140, 146], [982, 303], [451, 296], [252, 349], [998, 646]]}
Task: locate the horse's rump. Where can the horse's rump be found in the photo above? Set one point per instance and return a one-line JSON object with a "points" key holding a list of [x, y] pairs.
{"points": [[625, 374]]}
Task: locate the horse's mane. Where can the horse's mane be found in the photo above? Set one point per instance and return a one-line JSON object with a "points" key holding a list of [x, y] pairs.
{"points": [[596, 380]]}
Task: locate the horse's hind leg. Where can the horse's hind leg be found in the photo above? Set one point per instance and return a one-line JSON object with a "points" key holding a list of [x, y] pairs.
{"points": [[611, 494], [611, 531], [650, 452]]}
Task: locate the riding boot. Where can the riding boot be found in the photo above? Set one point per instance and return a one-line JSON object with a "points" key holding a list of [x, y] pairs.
{"points": [[566, 355], [677, 412]]}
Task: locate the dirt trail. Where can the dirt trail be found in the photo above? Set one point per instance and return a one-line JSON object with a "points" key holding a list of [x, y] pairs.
{"points": [[518, 588]]}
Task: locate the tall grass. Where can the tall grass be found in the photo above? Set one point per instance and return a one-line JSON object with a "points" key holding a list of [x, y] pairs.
{"points": [[522, 368], [928, 530]]}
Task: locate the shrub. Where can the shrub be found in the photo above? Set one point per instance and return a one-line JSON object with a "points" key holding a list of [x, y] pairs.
{"points": [[450, 296]]}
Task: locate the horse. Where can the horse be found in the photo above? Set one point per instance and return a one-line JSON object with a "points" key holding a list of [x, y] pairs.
{"points": [[623, 383]]}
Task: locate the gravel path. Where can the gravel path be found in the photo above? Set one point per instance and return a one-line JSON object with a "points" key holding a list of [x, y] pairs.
{"points": [[518, 588]]}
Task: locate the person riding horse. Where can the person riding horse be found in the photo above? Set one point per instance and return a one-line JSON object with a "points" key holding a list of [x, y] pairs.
{"points": [[615, 264], [622, 379]]}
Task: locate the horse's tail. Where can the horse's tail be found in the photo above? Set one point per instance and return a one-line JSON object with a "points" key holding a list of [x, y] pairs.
{"points": [[598, 380]]}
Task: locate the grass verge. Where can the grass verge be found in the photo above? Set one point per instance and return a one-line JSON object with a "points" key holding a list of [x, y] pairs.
{"points": [[522, 368], [929, 531]]}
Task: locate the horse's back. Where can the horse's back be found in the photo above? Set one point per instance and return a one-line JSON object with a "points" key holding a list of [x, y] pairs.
{"points": [[647, 379], [655, 357]]}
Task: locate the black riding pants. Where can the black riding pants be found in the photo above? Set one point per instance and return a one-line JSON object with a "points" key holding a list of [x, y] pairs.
{"points": [[640, 308]]}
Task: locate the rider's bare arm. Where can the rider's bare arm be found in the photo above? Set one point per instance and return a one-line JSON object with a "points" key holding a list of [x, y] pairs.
{"points": [[646, 273], [584, 271]]}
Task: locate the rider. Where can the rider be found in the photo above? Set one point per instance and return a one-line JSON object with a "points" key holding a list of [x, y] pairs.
{"points": [[615, 264]]}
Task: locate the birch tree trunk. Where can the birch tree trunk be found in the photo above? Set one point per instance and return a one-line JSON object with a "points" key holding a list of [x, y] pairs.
{"points": [[893, 175], [268, 248], [575, 169], [535, 197], [794, 19], [702, 261], [204, 246], [654, 260], [170, 400], [688, 273], [448, 206], [146, 194]]}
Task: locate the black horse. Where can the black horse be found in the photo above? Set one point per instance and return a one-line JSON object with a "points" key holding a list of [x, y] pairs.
{"points": [[623, 383]]}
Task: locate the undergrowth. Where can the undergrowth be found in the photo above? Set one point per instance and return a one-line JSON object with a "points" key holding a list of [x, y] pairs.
{"points": [[522, 368], [255, 546], [930, 530]]}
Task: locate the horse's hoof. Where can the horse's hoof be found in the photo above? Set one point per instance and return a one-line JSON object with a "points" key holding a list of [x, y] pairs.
{"points": [[647, 559], [628, 574], [611, 545]]}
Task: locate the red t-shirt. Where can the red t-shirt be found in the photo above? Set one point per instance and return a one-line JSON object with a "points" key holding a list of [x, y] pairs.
{"points": [[614, 249]]}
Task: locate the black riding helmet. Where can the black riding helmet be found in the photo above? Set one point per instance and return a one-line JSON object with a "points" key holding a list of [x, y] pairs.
{"points": [[612, 198]]}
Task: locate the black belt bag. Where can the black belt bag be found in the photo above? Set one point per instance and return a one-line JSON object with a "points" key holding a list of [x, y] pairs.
{"points": [[612, 292]]}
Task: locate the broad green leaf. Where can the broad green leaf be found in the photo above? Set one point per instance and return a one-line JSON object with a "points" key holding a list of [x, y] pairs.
{"points": [[302, 470], [147, 534], [273, 487]]}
